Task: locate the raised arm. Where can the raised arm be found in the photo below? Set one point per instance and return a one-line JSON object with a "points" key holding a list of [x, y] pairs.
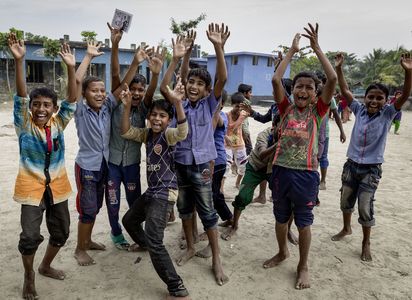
{"points": [[92, 51], [115, 37], [18, 50], [217, 120], [214, 34], [179, 50], [278, 91], [189, 41], [406, 63], [343, 85], [126, 98], [338, 122], [155, 65], [70, 61], [329, 87], [176, 97]]}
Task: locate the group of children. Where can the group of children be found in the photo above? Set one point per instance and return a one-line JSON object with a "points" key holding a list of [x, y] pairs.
{"points": [[189, 143]]}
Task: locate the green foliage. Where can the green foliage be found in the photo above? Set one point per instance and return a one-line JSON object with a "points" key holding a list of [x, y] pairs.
{"points": [[51, 48], [30, 37], [88, 36], [169, 55], [182, 27]]}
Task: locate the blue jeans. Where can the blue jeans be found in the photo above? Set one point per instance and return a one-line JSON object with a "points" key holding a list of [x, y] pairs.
{"points": [[323, 159], [195, 190], [360, 182], [130, 177], [153, 211], [218, 198]]}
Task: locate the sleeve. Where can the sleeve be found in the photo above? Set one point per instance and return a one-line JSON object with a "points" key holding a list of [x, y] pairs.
{"points": [[390, 111], [282, 106], [355, 106], [66, 113], [263, 118], [212, 102], [136, 134], [21, 113], [321, 107], [111, 101], [174, 135], [262, 141]]}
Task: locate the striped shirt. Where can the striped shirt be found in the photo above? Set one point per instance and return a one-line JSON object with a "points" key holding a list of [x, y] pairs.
{"points": [[31, 178]]}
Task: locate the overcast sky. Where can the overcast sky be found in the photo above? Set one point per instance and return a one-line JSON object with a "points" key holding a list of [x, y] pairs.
{"points": [[260, 26]]}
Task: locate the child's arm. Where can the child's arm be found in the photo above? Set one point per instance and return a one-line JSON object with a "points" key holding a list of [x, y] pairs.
{"points": [[18, 50], [406, 63], [115, 37], [189, 41], [329, 87], [343, 85], [179, 50], [338, 122], [70, 61], [155, 66], [217, 120], [214, 34], [278, 91], [92, 51], [235, 125]]}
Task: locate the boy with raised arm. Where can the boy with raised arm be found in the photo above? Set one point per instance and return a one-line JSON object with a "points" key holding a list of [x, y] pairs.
{"points": [[42, 183], [362, 171], [193, 155], [124, 155], [295, 179]]}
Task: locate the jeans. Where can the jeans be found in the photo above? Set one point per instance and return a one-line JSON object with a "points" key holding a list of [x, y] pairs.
{"points": [[218, 198], [153, 211], [130, 176]]}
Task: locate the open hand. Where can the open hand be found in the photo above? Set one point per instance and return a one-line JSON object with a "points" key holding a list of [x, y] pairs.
{"points": [[177, 95], [156, 60], [247, 108], [93, 48], [189, 39], [67, 56], [225, 33], [312, 35], [214, 34], [126, 96], [339, 58], [142, 53], [17, 48], [115, 34], [406, 61], [295, 43]]}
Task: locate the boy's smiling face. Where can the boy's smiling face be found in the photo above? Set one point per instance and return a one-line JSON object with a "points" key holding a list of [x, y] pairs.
{"points": [[159, 120], [95, 94], [42, 109], [304, 91], [138, 90], [375, 99], [196, 88]]}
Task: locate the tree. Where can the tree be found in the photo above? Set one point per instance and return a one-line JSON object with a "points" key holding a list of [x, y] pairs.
{"points": [[88, 36], [51, 50], [182, 27], [30, 37]]}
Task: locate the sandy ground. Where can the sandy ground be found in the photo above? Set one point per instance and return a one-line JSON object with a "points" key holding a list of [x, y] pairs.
{"points": [[336, 270]]}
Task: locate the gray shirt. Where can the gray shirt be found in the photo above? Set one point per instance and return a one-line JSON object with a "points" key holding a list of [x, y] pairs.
{"points": [[126, 152], [93, 131], [262, 143]]}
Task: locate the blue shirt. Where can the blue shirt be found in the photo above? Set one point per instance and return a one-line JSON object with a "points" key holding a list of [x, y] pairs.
{"points": [[199, 146], [368, 139], [219, 136], [93, 130]]}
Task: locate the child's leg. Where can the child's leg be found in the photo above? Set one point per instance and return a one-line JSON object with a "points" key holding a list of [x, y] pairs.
{"points": [[156, 211], [397, 126], [324, 164], [291, 236], [218, 198], [240, 159], [261, 198], [132, 183], [132, 222], [58, 224], [302, 276]]}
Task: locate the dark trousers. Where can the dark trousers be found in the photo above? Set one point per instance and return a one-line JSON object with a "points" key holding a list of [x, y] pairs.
{"points": [[152, 211], [218, 198]]}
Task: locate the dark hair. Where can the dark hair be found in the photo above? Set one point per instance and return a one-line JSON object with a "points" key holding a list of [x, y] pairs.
{"points": [[306, 74], [202, 74], [88, 80], [378, 86], [162, 104], [43, 92], [244, 88], [193, 65], [237, 98], [138, 78]]}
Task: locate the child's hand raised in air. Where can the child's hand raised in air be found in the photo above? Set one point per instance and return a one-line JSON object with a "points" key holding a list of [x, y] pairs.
{"points": [[143, 53], [214, 34], [339, 58], [406, 61], [176, 96], [295, 43], [67, 55], [156, 60], [126, 96], [189, 39], [17, 48], [180, 47], [225, 33], [93, 49], [115, 34], [312, 35]]}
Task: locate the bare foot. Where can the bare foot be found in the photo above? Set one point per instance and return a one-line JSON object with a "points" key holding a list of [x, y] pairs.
{"points": [[96, 246], [322, 185], [189, 253], [302, 278], [205, 252], [292, 238], [226, 223], [366, 251], [29, 290], [83, 259], [203, 237], [260, 199], [228, 234], [341, 234], [275, 260], [220, 277], [135, 248], [51, 272]]}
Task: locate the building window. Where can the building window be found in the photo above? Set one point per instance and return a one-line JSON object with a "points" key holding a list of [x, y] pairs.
{"points": [[270, 61], [255, 60], [34, 71], [234, 60]]}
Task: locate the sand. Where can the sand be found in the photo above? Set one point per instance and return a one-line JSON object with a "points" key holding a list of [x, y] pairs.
{"points": [[335, 267]]}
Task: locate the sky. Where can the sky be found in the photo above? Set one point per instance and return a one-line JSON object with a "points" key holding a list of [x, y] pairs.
{"points": [[356, 26]]}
